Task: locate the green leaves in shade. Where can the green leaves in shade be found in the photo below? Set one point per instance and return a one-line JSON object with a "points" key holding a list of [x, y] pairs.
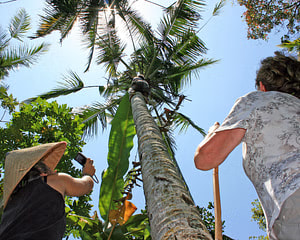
{"points": [[120, 143]]}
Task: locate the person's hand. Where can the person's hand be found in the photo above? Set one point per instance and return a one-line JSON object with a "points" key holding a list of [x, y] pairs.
{"points": [[88, 167]]}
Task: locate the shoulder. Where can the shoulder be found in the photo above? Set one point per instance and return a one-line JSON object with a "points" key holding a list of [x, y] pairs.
{"points": [[252, 96], [59, 177]]}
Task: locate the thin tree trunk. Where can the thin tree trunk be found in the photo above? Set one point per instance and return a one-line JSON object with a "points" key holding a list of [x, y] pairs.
{"points": [[172, 212]]}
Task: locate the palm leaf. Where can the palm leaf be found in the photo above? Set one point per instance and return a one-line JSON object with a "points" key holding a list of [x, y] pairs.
{"points": [[3, 39], [69, 22], [170, 143], [110, 51], [72, 84], [188, 48], [90, 41], [12, 58], [160, 97], [218, 7], [90, 14], [59, 15], [110, 89], [48, 24], [181, 75], [182, 121], [96, 113], [120, 144], [136, 26], [179, 17], [19, 24]]}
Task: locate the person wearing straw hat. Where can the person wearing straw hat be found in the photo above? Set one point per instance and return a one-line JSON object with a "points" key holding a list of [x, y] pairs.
{"points": [[33, 193], [267, 121]]}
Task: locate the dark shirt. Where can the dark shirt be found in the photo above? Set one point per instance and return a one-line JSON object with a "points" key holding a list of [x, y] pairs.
{"points": [[35, 212]]}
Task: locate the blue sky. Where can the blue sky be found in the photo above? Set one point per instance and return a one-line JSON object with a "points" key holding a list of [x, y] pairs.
{"points": [[213, 93]]}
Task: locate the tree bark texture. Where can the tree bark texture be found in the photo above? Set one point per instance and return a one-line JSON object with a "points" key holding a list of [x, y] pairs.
{"points": [[172, 212]]}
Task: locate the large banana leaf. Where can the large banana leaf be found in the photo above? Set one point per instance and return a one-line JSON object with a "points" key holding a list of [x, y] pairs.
{"points": [[120, 144]]}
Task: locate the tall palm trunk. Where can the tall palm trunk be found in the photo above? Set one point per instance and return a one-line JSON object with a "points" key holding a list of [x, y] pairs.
{"points": [[172, 212]]}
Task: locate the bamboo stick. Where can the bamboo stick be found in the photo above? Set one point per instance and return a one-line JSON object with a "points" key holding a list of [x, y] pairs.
{"points": [[217, 205]]}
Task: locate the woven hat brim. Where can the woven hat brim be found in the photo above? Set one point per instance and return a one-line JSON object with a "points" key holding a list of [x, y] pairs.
{"points": [[19, 162]]}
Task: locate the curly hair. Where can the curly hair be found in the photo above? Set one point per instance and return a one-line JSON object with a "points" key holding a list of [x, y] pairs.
{"points": [[280, 73]]}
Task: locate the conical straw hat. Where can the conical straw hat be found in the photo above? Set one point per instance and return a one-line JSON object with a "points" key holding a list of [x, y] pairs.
{"points": [[19, 162]]}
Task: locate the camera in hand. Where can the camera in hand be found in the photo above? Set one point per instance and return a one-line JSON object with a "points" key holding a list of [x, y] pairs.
{"points": [[80, 158]]}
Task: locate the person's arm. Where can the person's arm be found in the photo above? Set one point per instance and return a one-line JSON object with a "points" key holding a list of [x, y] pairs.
{"points": [[216, 146], [67, 185]]}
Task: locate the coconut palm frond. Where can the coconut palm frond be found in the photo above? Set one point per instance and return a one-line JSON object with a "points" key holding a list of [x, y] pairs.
{"points": [[59, 15], [218, 7], [183, 122], [71, 84], [110, 51], [69, 22], [49, 24], [91, 22], [180, 76], [136, 26], [170, 143], [19, 25], [89, 17], [3, 39], [98, 113], [188, 48], [159, 96], [179, 17], [14, 57], [90, 40]]}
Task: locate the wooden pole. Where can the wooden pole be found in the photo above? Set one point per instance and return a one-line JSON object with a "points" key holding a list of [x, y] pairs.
{"points": [[217, 205]]}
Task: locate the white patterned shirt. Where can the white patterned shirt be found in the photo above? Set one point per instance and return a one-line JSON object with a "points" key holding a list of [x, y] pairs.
{"points": [[271, 145]]}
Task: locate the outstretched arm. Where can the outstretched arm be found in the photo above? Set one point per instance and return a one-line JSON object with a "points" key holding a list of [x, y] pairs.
{"points": [[67, 185], [216, 146]]}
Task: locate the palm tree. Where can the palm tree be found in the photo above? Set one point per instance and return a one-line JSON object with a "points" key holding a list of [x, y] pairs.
{"points": [[167, 60], [96, 19], [171, 210]]}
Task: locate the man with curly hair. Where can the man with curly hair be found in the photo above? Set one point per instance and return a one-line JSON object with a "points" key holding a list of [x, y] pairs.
{"points": [[267, 121]]}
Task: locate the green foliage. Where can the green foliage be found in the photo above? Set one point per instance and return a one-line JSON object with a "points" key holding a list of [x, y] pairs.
{"points": [[291, 46], [208, 218], [259, 238], [264, 15], [136, 228], [8, 102], [120, 145], [259, 217]]}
